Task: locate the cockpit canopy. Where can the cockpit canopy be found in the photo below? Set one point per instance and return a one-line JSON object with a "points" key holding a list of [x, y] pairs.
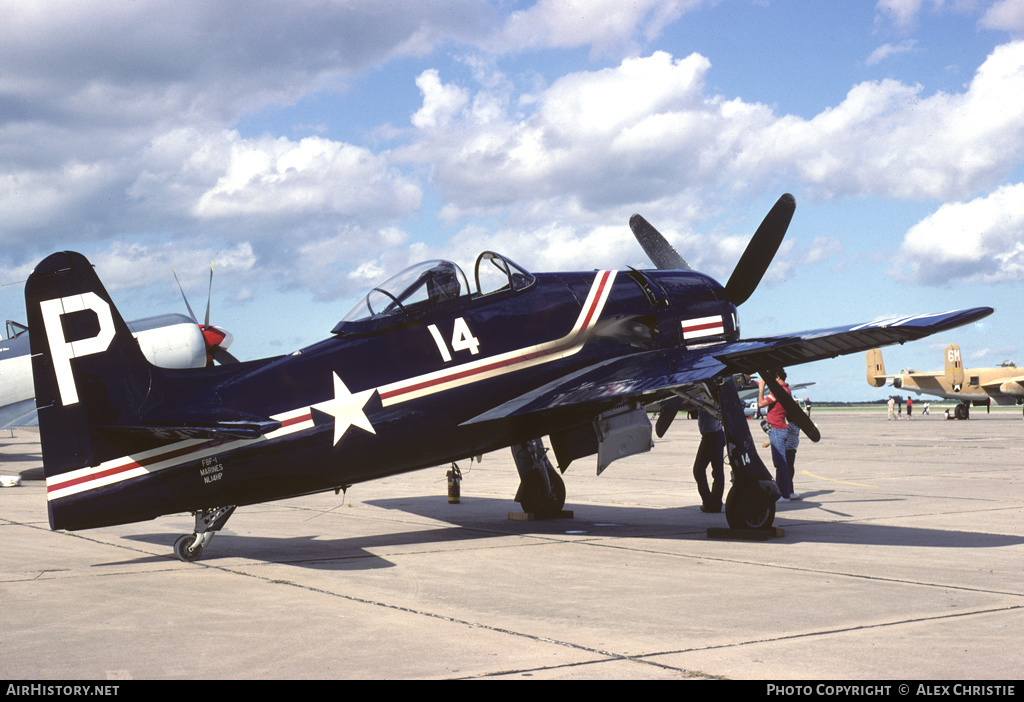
{"points": [[422, 284], [495, 273], [428, 286]]}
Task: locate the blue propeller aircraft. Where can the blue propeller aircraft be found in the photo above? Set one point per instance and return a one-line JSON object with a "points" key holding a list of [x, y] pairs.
{"points": [[426, 370]]}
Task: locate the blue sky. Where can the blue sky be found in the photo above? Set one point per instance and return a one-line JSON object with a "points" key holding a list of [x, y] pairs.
{"points": [[311, 149]]}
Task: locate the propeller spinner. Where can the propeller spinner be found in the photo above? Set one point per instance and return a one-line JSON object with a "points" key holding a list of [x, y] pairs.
{"points": [[217, 340]]}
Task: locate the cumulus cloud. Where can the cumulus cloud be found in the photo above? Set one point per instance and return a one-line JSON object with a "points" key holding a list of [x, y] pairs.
{"points": [[122, 119], [647, 129], [213, 58], [116, 120], [441, 103], [904, 14], [129, 115], [822, 248], [602, 24], [901, 12], [580, 140], [981, 240], [1005, 15], [127, 265], [312, 177], [888, 50], [565, 164]]}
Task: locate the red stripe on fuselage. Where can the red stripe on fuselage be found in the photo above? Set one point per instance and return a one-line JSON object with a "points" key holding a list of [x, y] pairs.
{"points": [[132, 465], [702, 327]]}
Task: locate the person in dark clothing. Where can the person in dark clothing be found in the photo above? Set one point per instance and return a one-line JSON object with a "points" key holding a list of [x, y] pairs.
{"points": [[710, 452]]}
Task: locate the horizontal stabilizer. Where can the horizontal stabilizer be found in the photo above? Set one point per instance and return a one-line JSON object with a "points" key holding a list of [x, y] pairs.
{"points": [[19, 414]]}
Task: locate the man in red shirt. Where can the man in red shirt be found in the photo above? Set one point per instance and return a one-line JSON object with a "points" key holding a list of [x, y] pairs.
{"points": [[778, 432]]}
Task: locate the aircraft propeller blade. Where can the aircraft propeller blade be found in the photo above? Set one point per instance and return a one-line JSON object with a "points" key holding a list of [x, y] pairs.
{"points": [[760, 251], [216, 339], [793, 411], [188, 306], [222, 356], [209, 293], [661, 253], [669, 409]]}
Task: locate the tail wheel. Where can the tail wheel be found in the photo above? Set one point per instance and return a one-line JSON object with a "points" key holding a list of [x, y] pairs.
{"points": [[183, 548]]}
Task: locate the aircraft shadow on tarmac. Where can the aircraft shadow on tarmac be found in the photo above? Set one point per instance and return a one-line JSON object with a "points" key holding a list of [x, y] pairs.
{"points": [[479, 519], [314, 551], [32, 472], [689, 523]]}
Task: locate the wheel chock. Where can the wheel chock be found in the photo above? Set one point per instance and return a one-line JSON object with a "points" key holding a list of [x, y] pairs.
{"points": [[746, 534], [538, 516]]}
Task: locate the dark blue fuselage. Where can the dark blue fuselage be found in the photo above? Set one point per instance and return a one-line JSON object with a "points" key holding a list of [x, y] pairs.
{"points": [[409, 385]]}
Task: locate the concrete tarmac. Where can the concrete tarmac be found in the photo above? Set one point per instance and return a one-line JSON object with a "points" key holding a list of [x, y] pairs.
{"points": [[902, 562]]}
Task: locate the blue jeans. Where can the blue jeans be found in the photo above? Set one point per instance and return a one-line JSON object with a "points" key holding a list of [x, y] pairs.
{"points": [[778, 438]]}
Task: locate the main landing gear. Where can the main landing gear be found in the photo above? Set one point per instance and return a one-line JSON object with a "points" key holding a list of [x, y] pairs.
{"points": [[541, 488], [189, 547], [750, 503]]}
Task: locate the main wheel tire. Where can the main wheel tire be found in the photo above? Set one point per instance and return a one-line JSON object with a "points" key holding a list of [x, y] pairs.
{"points": [[755, 511], [535, 497]]}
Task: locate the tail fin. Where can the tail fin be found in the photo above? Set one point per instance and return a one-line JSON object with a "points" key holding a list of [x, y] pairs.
{"points": [[875, 368], [102, 407], [954, 367], [88, 369]]}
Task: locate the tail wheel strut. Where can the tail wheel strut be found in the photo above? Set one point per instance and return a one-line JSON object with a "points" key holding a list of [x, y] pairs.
{"points": [[189, 547]]}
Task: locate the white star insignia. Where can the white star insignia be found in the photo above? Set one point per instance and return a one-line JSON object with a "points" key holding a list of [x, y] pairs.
{"points": [[347, 409]]}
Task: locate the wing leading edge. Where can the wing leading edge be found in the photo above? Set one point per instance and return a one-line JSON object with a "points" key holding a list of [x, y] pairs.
{"points": [[650, 372]]}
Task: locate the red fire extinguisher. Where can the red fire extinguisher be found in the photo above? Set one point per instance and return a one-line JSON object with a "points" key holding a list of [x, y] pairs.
{"points": [[454, 485]]}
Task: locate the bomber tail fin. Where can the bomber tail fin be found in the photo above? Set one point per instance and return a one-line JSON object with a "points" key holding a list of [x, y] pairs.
{"points": [[954, 367], [875, 368]]}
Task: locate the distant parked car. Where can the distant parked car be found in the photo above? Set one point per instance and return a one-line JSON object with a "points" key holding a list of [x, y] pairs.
{"points": [[751, 411]]}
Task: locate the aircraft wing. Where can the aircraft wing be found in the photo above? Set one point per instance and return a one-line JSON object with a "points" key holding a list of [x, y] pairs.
{"points": [[1010, 386], [665, 369]]}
